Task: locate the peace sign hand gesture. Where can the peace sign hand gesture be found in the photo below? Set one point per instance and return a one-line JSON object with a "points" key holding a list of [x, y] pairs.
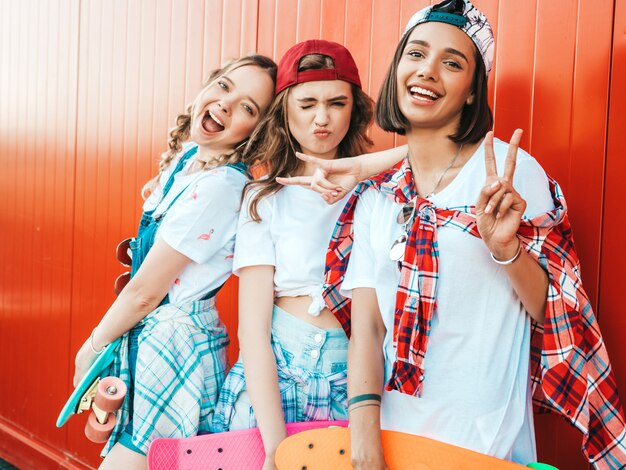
{"points": [[333, 179], [499, 208]]}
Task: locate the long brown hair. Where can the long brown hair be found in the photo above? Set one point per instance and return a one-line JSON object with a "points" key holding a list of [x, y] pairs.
{"points": [[273, 148], [180, 132]]}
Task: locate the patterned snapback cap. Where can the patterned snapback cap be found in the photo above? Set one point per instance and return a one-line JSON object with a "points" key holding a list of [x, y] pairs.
{"points": [[467, 17]]}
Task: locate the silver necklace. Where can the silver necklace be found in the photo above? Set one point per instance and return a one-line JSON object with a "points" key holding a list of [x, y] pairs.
{"points": [[407, 214], [456, 155]]}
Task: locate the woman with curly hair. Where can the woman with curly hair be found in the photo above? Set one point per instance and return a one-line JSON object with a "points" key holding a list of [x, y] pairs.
{"points": [[172, 356]]}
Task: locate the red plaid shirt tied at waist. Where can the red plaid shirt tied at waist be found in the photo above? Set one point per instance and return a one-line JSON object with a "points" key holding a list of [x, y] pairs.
{"points": [[570, 367]]}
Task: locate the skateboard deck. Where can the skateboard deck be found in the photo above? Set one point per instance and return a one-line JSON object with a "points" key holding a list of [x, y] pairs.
{"points": [[94, 373], [234, 450], [322, 449]]}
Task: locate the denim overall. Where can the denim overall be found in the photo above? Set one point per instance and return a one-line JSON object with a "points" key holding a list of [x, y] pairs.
{"points": [[140, 246], [149, 224]]}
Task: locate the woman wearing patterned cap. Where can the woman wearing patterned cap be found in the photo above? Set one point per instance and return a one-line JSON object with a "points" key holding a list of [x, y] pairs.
{"points": [[293, 350], [455, 271]]}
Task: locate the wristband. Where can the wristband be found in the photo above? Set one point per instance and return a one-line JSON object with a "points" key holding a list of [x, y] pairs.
{"points": [[364, 397], [363, 406], [512, 260]]}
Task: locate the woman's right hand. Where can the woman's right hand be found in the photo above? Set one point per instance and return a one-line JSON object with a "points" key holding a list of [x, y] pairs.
{"points": [[333, 179], [84, 358]]}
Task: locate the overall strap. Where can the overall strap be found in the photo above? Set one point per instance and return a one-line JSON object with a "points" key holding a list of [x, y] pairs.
{"points": [[241, 167], [181, 163], [159, 216]]}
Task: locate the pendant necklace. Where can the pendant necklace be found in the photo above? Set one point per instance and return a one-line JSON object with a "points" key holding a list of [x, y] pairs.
{"points": [[406, 216], [456, 155]]}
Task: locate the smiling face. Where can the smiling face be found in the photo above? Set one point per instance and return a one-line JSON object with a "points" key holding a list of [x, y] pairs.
{"points": [[434, 76], [318, 115], [229, 108]]}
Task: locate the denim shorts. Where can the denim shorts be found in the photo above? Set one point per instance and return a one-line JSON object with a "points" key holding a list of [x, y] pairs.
{"points": [[312, 376], [133, 347]]}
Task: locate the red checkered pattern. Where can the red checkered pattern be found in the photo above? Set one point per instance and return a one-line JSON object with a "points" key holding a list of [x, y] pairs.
{"points": [[570, 366]]}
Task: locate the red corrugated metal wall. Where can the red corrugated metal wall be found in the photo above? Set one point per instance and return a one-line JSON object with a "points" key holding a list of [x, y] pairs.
{"points": [[88, 90]]}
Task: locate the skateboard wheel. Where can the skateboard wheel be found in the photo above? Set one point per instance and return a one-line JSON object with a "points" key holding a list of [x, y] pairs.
{"points": [[120, 282], [97, 432], [110, 394]]}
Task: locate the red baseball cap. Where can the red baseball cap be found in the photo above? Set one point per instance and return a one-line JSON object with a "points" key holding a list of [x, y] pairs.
{"points": [[345, 68]]}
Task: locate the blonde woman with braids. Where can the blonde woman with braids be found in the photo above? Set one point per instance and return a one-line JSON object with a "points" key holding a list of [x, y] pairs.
{"points": [[173, 350], [293, 351]]}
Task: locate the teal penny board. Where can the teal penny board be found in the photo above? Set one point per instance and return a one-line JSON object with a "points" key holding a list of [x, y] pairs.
{"points": [[97, 369]]}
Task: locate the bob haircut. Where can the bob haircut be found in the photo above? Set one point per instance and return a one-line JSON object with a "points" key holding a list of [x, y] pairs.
{"points": [[476, 118]]}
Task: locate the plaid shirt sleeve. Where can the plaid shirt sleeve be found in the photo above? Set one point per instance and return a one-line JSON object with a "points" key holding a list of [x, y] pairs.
{"points": [[572, 374], [337, 257]]}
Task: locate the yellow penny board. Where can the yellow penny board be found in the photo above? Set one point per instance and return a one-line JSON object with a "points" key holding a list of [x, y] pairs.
{"points": [[323, 449]]}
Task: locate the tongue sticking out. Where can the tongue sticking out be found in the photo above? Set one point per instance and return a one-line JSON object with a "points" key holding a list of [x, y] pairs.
{"points": [[210, 125]]}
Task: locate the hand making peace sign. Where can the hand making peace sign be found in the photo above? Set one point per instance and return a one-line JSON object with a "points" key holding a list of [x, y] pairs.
{"points": [[333, 179], [499, 208]]}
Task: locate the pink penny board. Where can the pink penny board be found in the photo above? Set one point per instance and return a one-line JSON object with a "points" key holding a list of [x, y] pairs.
{"points": [[235, 450]]}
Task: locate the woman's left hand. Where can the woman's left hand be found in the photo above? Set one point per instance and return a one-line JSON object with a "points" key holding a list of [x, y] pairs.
{"points": [[84, 358], [499, 208], [333, 179]]}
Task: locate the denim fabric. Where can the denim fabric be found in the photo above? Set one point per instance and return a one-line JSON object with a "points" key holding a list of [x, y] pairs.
{"points": [[312, 377], [149, 224], [133, 348]]}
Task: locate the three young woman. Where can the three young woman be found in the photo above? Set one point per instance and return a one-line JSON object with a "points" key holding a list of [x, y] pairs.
{"points": [[452, 269], [173, 352], [293, 350]]}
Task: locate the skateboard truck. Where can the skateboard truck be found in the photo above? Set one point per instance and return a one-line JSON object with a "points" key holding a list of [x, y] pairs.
{"points": [[103, 398], [88, 400], [97, 393]]}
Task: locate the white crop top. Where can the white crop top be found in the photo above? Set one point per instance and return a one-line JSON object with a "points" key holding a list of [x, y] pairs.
{"points": [[293, 235]]}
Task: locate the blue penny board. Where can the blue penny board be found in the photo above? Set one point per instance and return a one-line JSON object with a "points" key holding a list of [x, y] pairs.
{"points": [[101, 364]]}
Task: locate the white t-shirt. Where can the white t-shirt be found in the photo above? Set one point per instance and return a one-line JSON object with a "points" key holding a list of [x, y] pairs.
{"points": [[201, 225], [476, 391], [293, 236]]}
